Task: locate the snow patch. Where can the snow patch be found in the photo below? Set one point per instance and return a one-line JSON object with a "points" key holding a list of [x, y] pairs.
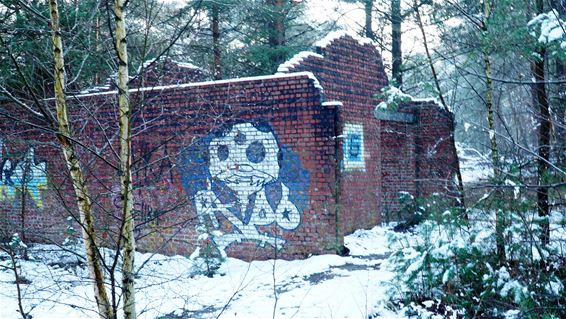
{"points": [[296, 60], [96, 89], [184, 65], [334, 35], [310, 75], [394, 97], [551, 28], [332, 103]]}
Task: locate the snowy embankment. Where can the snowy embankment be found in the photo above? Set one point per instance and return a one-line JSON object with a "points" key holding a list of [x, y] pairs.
{"points": [[327, 286]]}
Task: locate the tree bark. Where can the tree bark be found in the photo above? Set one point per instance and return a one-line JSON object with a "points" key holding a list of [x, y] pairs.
{"points": [[499, 217], [559, 106], [276, 31], [126, 193], [23, 192], [541, 101], [368, 8], [17, 277], [83, 199], [397, 55]]}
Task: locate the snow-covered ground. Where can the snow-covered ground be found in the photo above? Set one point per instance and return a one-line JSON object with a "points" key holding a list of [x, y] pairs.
{"points": [[326, 286], [474, 166]]}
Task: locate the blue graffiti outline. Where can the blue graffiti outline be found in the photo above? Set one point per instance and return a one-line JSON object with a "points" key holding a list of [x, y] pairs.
{"points": [[193, 166], [11, 177]]}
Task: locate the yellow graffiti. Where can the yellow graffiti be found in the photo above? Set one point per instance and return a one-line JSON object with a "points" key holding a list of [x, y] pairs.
{"points": [[24, 177]]}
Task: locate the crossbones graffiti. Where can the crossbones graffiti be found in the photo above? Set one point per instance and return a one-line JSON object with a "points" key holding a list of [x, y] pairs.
{"points": [[245, 182]]}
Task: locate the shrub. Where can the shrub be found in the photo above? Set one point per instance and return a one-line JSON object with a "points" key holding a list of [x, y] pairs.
{"points": [[452, 259]]}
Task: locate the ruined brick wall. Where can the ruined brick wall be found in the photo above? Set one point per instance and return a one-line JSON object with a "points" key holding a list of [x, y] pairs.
{"points": [[24, 170], [417, 157], [436, 161], [281, 165], [252, 159], [351, 71], [398, 160], [380, 157]]}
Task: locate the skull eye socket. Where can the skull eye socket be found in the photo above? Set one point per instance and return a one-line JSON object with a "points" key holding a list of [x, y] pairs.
{"points": [[240, 138], [255, 152], [222, 152]]}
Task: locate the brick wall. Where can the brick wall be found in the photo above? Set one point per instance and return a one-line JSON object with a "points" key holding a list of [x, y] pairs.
{"points": [[281, 165], [351, 71], [436, 160], [253, 159], [398, 165], [409, 151]]}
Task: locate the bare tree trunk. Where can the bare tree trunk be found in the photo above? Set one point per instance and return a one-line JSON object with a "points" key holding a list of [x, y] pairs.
{"points": [[429, 56], [499, 217], [368, 7], [397, 55], [559, 106], [541, 99], [560, 111], [81, 191], [97, 46], [126, 192], [277, 30], [9, 249], [23, 192], [215, 17]]}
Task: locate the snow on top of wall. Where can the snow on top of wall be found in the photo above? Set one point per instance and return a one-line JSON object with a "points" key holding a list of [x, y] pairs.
{"points": [[426, 99], [332, 103], [95, 89], [315, 81], [310, 75], [145, 65], [394, 97], [186, 65], [551, 28], [326, 41], [296, 60]]}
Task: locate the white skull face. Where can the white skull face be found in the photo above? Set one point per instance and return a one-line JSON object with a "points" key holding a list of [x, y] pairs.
{"points": [[244, 158]]}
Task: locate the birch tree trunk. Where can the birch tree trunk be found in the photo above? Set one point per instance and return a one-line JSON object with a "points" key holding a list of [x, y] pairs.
{"points": [[83, 199], [127, 231], [499, 217]]}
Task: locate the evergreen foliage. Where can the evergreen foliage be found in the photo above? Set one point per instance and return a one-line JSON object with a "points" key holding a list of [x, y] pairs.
{"points": [[448, 263]]}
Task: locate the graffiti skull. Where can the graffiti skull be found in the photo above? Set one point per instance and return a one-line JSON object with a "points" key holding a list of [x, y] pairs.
{"points": [[244, 158], [244, 185]]}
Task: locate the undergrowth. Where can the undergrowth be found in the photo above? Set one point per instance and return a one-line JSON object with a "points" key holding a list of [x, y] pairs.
{"points": [[448, 263]]}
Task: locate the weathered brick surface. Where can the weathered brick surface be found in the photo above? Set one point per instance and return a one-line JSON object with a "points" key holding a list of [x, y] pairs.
{"points": [[169, 124], [271, 162], [353, 74], [436, 158]]}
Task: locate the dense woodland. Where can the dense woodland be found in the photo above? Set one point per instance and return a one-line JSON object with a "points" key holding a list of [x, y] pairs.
{"points": [[499, 65]]}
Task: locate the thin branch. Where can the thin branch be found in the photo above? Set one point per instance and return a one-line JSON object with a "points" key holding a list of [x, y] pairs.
{"points": [[53, 131]]}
